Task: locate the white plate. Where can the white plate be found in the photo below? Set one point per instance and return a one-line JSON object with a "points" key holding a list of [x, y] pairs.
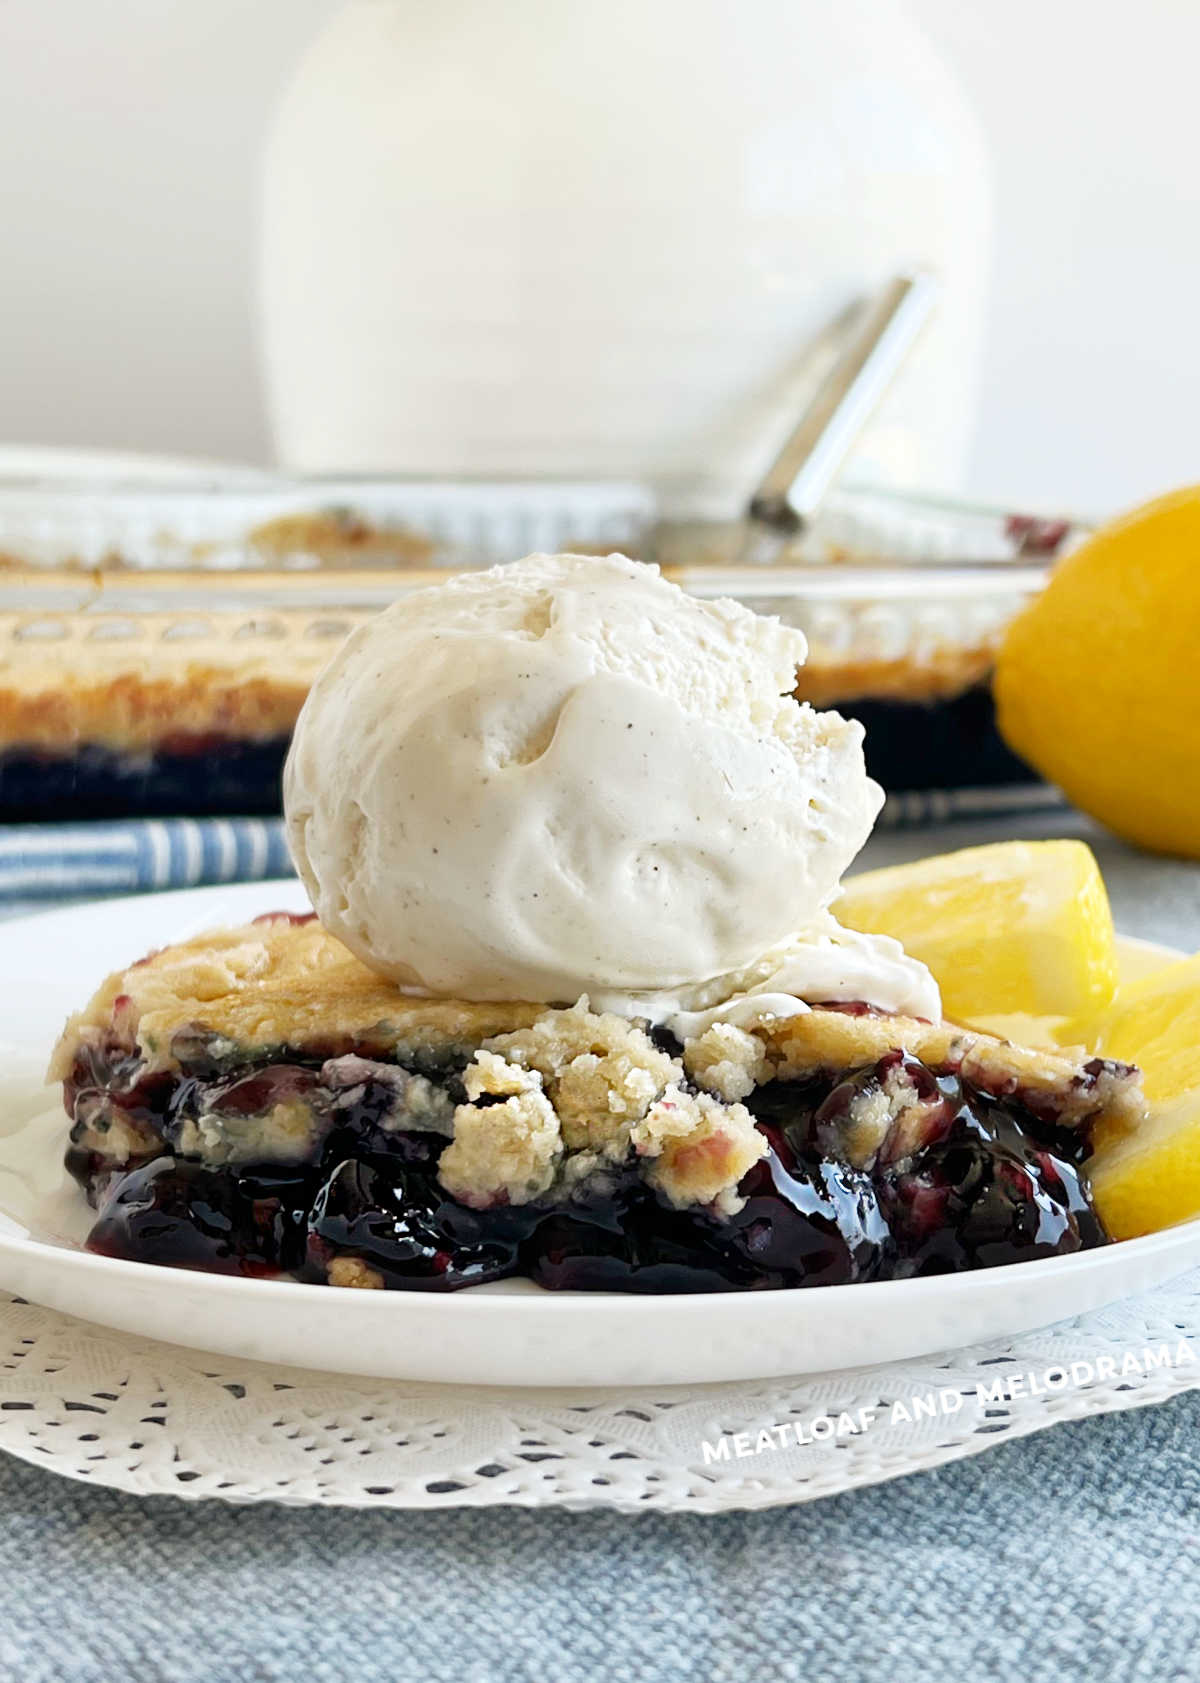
{"points": [[511, 1334]]}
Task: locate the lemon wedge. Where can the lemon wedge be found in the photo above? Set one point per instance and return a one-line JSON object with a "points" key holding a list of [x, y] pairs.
{"points": [[1154, 1023], [1014, 927], [1096, 678], [1150, 1177]]}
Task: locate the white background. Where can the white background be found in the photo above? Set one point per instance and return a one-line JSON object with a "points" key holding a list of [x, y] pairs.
{"points": [[129, 137]]}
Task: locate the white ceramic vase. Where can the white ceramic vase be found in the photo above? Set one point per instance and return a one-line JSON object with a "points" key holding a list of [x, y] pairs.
{"points": [[558, 238]]}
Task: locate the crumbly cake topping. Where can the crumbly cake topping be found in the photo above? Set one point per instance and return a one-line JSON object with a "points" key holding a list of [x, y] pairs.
{"points": [[602, 1073], [550, 1097], [870, 1116], [338, 536], [698, 1149], [506, 1152], [579, 1091], [1065, 1086], [728, 1061], [353, 1272]]}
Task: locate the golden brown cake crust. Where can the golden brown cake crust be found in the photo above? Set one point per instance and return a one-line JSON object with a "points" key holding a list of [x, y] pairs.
{"points": [[338, 536], [283, 983], [245, 674], [276, 983], [138, 693], [826, 679]]}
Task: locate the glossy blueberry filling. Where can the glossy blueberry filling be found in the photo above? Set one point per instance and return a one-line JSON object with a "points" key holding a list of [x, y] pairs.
{"points": [[980, 1182]]}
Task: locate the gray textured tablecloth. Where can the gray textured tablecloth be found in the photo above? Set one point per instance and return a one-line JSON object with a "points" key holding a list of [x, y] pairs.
{"points": [[1074, 1554], [1071, 1556]]}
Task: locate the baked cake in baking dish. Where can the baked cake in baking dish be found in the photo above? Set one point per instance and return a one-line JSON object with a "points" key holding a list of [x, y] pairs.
{"points": [[153, 713]]}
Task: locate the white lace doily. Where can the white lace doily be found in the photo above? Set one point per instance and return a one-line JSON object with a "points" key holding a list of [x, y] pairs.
{"points": [[149, 1418]]}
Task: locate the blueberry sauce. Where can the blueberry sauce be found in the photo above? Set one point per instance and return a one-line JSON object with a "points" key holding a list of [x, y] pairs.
{"points": [[989, 1192], [957, 1179], [201, 775], [956, 734], [803, 1222], [965, 1180], [225, 1221], [396, 1218]]}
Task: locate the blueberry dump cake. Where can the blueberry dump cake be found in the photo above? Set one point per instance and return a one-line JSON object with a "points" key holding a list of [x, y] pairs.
{"points": [[572, 1005], [258, 1101]]}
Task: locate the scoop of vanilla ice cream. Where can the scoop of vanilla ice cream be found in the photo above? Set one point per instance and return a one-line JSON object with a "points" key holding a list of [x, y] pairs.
{"points": [[565, 776]]}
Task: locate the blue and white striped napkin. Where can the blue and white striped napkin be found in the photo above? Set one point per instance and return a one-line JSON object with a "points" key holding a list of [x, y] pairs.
{"points": [[47, 862], [41, 863], [913, 808]]}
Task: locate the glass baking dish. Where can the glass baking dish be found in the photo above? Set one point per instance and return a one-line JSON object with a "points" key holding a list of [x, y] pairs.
{"points": [[157, 640]]}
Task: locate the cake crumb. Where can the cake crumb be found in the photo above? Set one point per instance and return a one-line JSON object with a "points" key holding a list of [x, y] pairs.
{"points": [[727, 1061], [353, 1272], [601, 1073], [488, 1075], [508, 1150], [699, 1149], [890, 1117]]}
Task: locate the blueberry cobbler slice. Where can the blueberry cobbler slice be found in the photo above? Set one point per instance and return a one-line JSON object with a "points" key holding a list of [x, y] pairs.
{"points": [[256, 1101]]}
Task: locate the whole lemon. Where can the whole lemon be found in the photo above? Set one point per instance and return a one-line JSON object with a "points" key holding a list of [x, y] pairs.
{"points": [[1098, 679]]}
